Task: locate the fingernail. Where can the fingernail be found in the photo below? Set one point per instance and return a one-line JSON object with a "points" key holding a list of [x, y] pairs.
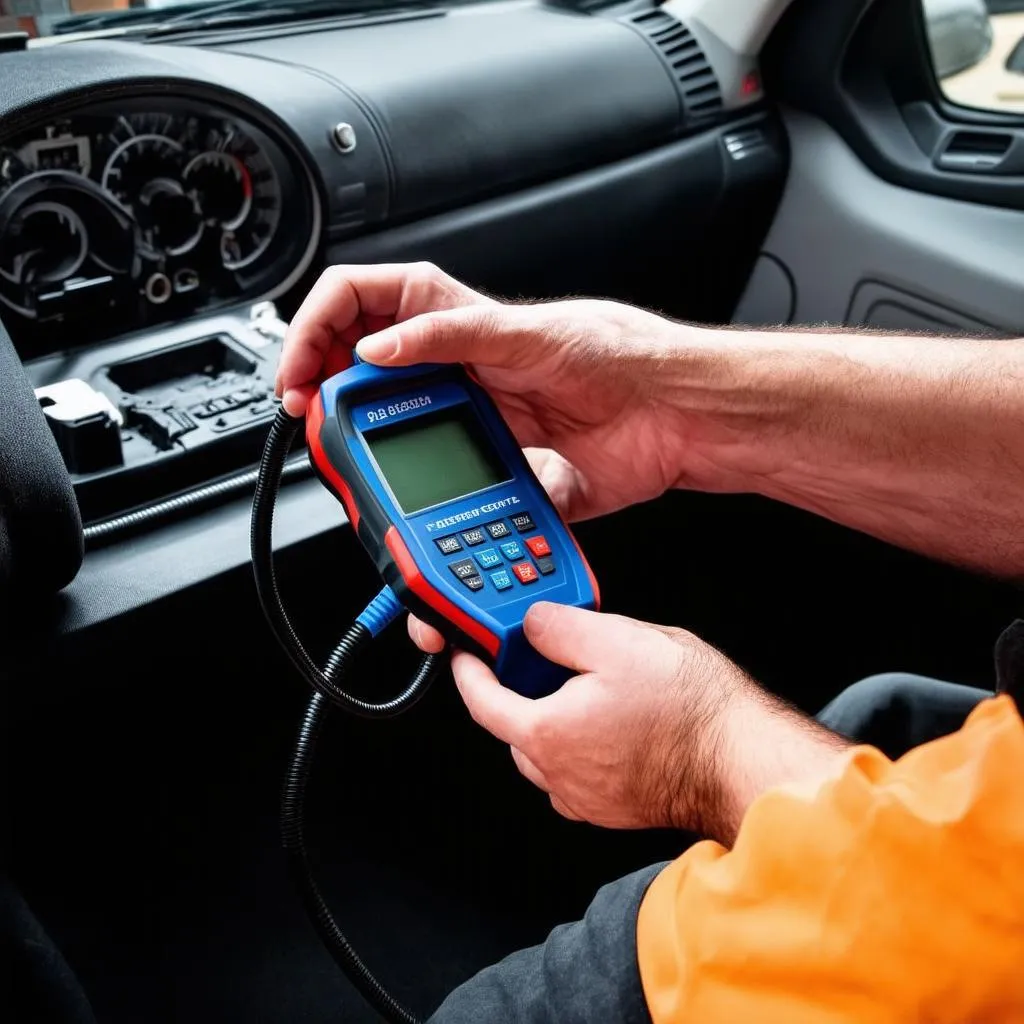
{"points": [[377, 348], [292, 402]]}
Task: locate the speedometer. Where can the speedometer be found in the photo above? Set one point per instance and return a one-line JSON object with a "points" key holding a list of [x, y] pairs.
{"points": [[237, 190], [144, 175]]}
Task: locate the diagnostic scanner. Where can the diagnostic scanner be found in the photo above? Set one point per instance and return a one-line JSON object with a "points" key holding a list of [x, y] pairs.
{"points": [[442, 497]]}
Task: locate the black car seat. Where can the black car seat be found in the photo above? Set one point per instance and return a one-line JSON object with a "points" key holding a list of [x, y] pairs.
{"points": [[40, 552]]}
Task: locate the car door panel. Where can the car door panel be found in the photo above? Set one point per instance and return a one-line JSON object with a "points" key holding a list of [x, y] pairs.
{"points": [[954, 266]]}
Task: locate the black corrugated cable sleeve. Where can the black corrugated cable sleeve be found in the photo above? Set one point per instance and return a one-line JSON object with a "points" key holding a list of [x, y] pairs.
{"points": [[230, 487], [282, 432], [294, 840], [328, 691]]}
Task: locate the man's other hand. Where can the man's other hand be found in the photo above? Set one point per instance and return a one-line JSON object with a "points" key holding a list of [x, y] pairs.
{"points": [[633, 740]]}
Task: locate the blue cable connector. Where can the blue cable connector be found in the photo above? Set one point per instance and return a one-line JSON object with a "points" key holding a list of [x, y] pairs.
{"points": [[380, 612]]}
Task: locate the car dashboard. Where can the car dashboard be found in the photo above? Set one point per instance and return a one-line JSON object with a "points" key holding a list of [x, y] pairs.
{"points": [[166, 203], [138, 212]]}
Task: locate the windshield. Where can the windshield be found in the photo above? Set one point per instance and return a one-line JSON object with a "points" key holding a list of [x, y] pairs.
{"points": [[57, 17]]}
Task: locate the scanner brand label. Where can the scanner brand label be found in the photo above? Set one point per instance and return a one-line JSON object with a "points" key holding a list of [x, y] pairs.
{"points": [[470, 515], [385, 412]]}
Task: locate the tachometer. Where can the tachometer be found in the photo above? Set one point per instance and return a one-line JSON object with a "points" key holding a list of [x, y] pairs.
{"points": [[144, 175], [238, 192], [223, 187]]}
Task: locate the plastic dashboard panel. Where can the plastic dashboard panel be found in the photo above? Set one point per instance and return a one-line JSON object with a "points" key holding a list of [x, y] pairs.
{"points": [[291, 102], [487, 99], [491, 143]]}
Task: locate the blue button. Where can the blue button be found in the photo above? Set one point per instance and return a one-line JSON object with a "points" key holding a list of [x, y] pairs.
{"points": [[512, 550], [488, 558], [501, 580]]}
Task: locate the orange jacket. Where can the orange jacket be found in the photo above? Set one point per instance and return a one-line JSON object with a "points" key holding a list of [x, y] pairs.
{"points": [[893, 893]]}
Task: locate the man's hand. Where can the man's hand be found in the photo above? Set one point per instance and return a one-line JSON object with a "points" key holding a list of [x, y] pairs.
{"points": [[586, 379], [659, 730]]}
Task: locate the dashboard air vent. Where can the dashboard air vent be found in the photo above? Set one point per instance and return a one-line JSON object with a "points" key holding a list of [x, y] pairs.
{"points": [[681, 51], [749, 142]]}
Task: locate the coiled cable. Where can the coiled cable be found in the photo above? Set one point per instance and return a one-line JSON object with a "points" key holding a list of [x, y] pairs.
{"points": [[293, 833], [327, 685], [282, 433]]}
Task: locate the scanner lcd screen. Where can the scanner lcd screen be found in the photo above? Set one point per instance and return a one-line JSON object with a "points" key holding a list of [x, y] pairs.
{"points": [[435, 458]]}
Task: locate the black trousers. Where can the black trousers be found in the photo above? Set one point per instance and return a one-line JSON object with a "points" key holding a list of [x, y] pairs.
{"points": [[586, 972]]}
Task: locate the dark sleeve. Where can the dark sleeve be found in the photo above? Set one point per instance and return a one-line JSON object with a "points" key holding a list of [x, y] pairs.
{"points": [[1010, 663], [584, 973]]}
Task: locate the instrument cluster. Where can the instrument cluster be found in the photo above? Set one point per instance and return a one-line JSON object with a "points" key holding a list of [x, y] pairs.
{"points": [[122, 216]]}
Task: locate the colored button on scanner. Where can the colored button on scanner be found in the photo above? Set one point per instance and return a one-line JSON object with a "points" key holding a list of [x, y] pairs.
{"points": [[474, 582], [525, 572], [473, 537], [497, 530], [501, 580], [538, 546], [488, 558], [512, 550]]}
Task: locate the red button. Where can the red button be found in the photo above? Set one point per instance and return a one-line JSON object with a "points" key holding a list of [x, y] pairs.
{"points": [[539, 547], [525, 572]]}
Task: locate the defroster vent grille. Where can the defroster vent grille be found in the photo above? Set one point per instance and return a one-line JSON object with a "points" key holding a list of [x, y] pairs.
{"points": [[685, 58]]}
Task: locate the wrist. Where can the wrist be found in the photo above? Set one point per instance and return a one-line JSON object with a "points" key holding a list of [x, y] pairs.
{"points": [[763, 743], [718, 410]]}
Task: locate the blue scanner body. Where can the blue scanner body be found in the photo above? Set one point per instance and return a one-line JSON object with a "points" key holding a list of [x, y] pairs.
{"points": [[443, 499]]}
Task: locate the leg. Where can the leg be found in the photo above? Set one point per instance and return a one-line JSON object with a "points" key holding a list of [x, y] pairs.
{"points": [[584, 972], [898, 711]]}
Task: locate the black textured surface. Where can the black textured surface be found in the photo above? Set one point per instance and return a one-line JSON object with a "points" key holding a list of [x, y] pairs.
{"points": [[40, 528], [146, 756], [486, 100], [36, 984]]}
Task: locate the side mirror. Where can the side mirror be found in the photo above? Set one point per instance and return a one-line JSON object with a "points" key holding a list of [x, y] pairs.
{"points": [[959, 34]]}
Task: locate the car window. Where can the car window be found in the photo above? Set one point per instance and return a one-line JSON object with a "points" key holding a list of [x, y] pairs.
{"points": [[978, 51], [83, 17]]}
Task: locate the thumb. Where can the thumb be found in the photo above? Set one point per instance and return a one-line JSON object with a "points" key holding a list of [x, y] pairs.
{"points": [[583, 640], [486, 335]]}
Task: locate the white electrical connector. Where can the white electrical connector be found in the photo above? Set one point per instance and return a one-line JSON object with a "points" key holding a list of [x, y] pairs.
{"points": [[73, 400], [264, 320]]}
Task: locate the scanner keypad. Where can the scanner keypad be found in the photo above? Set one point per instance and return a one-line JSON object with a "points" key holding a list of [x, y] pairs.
{"points": [[507, 570]]}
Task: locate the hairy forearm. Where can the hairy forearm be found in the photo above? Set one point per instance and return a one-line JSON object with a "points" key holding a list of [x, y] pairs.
{"points": [[918, 441], [763, 743]]}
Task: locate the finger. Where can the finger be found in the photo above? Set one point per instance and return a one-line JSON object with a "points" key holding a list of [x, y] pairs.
{"points": [[332, 306], [583, 640], [559, 477], [500, 711], [529, 770], [379, 294], [425, 637], [563, 809], [296, 400], [486, 335]]}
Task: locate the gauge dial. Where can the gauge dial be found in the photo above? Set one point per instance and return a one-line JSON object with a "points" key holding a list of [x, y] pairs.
{"points": [[43, 242], [144, 175], [238, 191], [222, 186]]}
